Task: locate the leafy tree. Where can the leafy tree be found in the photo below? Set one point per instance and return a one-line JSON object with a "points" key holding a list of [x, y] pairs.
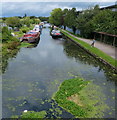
{"points": [[56, 17], [105, 21], [44, 18], [13, 22], [65, 11], [83, 21], [36, 21], [70, 18], [26, 21], [25, 15], [6, 34]]}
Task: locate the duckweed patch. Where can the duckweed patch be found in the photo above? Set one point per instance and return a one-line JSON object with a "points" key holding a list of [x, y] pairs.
{"points": [[81, 98], [30, 115]]}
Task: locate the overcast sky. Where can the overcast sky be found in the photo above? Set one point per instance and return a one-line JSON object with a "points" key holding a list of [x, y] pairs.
{"points": [[19, 8]]}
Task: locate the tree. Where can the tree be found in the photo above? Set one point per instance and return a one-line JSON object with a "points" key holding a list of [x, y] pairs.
{"points": [[105, 21], [26, 21], [56, 17], [5, 34], [44, 18], [83, 21], [36, 21], [70, 19], [13, 22], [25, 15], [65, 11]]}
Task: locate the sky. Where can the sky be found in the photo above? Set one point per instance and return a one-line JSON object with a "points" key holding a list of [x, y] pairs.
{"points": [[38, 8]]}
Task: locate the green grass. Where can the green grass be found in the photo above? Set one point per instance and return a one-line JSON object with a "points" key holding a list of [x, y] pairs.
{"points": [[24, 44], [19, 34], [89, 95], [93, 50]]}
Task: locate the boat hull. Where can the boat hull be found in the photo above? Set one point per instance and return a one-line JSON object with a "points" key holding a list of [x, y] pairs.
{"points": [[56, 36], [31, 39]]}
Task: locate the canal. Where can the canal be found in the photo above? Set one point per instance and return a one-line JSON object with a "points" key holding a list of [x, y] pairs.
{"points": [[35, 73]]}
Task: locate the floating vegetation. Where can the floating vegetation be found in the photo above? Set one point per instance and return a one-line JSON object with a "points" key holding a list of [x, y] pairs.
{"points": [[81, 98], [30, 114]]}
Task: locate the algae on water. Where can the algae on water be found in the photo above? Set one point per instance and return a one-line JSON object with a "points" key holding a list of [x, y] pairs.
{"points": [[81, 98]]}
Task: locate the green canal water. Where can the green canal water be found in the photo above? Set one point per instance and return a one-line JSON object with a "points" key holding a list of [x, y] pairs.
{"points": [[35, 73]]}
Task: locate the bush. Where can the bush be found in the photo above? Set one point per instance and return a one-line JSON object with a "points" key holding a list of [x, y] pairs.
{"points": [[24, 29], [6, 34], [13, 45]]}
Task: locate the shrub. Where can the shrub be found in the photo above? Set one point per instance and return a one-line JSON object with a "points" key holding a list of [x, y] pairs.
{"points": [[6, 34], [13, 45], [24, 29]]}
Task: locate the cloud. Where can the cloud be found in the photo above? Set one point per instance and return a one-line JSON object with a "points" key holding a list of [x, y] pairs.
{"points": [[37, 9], [59, 1], [42, 8]]}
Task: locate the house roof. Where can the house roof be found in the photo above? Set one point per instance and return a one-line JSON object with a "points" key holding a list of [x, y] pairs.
{"points": [[109, 7]]}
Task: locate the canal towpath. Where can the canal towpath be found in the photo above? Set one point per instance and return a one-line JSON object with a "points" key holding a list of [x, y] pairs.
{"points": [[108, 49]]}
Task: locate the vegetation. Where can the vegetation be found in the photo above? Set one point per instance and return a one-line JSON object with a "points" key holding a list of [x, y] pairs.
{"points": [[21, 21], [70, 18], [6, 35], [73, 97], [13, 22], [96, 20], [28, 21], [44, 18], [56, 17], [93, 50], [87, 21], [31, 115], [11, 44], [9, 50]]}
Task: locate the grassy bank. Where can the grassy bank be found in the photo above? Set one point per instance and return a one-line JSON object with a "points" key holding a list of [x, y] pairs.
{"points": [[93, 50], [81, 98]]}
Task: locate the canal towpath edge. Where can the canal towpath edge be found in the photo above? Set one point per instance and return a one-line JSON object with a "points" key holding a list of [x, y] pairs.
{"points": [[108, 49]]}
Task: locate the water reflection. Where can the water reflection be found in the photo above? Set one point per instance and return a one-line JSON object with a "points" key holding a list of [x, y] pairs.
{"points": [[77, 53], [6, 55], [34, 44]]}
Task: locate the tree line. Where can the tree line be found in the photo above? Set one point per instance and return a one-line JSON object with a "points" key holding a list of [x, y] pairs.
{"points": [[18, 21], [87, 21]]}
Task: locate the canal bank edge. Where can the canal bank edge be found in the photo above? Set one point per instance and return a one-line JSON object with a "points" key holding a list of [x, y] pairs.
{"points": [[95, 52]]}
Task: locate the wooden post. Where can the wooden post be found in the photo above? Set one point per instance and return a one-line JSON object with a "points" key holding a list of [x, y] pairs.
{"points": [[94, 35], [104, 38], [101, 38], [114, 42]]}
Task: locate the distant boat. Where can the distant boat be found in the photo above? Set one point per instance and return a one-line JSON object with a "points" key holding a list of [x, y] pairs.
{"points": [[56, 34], [37, 28]]}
